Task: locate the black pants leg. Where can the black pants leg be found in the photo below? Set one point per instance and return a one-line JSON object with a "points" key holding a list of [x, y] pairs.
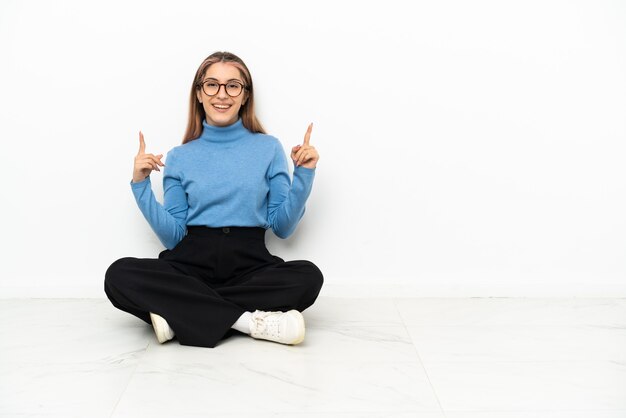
{"points": [[208, 280]]}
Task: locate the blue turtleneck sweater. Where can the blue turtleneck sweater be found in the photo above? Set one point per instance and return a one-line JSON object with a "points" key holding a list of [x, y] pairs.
{"points": [[226, 177]]}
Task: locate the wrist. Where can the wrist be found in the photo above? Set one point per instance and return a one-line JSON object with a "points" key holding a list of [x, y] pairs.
{"points": [[135, 180]]}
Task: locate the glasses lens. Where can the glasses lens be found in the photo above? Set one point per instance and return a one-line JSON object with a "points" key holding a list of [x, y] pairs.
{"points": [[211, 88], [233, 89]]}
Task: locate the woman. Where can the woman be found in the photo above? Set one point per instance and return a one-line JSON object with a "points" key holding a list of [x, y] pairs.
{"points": [[223, 188]]}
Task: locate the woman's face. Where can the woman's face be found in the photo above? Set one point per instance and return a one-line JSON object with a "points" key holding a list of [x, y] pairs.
{"points": [[228, 111]]}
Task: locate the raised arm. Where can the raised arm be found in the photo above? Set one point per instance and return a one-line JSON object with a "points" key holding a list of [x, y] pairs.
{"points": [[168, 221], [286, 199]]}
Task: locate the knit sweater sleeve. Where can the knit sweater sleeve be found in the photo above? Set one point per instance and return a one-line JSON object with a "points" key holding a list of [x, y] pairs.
{"points": [[287, 200], [168, 221]]}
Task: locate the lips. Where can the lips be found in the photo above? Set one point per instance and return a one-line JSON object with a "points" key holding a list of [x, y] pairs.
{"points": [[221, 107]]}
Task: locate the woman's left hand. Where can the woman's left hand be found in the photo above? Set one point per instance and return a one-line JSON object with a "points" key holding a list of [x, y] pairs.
{"points": [[305, 155]]}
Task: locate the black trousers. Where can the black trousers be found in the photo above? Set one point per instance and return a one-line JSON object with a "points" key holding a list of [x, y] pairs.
{"points": [[204, 284]]}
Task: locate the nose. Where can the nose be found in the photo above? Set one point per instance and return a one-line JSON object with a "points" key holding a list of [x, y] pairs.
{"points": [[221, 92]]}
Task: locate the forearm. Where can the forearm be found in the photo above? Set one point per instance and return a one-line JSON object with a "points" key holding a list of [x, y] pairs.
{"points": [[285, 217], [169, 229]]}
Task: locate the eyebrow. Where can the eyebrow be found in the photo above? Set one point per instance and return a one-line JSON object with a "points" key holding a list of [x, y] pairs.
{"points": [[232, 79]]}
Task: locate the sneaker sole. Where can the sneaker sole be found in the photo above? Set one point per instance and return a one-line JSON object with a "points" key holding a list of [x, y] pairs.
{"points": [[160, 328]]}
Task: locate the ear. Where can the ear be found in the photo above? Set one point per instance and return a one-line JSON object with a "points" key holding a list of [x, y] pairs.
{"points": [[199, 95]]}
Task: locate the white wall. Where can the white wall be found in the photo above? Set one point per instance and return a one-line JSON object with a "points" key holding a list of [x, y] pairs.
{"points": [[467, 148]]}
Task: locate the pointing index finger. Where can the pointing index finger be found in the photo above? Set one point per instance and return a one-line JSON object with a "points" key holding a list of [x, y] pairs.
{"points": [[307, 136], [142, 144]]}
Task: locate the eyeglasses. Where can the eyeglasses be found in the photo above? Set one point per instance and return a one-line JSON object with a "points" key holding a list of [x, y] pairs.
{"points": [[233, 88]]}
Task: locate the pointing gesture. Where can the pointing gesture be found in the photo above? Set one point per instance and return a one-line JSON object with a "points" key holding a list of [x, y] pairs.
{"points": [[145, 163], [305, 155]]}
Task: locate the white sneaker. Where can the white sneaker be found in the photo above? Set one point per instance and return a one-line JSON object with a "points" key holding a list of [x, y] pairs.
{"points": [[282, 327], [161, 328]]}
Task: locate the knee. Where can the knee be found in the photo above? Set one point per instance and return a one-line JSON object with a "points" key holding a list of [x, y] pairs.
{"points": [[315, 278], [114, 275]]}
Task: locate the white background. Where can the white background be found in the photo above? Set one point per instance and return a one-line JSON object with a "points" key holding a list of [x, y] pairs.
{"points": [[467, 148]]}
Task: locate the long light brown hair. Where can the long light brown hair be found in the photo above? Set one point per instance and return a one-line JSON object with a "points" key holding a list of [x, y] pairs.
{"points": [[196, 111]]}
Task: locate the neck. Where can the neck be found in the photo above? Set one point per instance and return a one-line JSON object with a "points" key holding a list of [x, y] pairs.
{"points": [[223, 134]]}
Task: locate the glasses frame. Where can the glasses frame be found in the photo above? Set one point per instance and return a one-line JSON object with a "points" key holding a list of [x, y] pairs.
{"points": [[202, 83]]}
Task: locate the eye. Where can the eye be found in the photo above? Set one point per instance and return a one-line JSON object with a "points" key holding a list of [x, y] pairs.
{"points": [[211, 84], [234, 85]]}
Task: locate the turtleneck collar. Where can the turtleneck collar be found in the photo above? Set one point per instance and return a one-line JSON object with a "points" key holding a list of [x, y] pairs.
{"points": [[223, 134]]}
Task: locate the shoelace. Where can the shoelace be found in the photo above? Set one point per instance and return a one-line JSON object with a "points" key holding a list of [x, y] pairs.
{"points": [[267, 323]]}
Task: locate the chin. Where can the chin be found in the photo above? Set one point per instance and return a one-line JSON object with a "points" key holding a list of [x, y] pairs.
{"points": [[223, 119]]}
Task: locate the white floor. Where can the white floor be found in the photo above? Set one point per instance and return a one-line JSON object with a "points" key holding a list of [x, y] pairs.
{"points": [[430, 358]]}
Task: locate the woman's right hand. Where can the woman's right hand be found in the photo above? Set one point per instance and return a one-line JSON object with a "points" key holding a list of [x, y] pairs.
{"points": [[145, 163]]}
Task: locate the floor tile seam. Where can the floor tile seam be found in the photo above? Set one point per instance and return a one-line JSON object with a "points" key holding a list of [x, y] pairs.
{"points": [[225, 360], [320, 363], [585, 326], [99, 362], [99, 365], [587, 410], [617, 331], [360, 413], [617, 327], [348, 324], [130, 378], [297, 412], [551, 361], [622, 364], [430, 383]]}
